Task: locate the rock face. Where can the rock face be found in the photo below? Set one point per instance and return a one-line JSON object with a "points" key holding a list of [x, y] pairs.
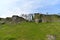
{"points": [[46, 18], [37, 17], [2, 21], [36, 20], [51, 37], [8, 19], [17, 19], [13, 19]]}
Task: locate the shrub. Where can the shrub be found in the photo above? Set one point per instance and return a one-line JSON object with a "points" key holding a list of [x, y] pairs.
{"points": [[10, 39]]}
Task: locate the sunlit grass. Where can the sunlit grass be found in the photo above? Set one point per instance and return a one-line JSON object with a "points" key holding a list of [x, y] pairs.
{"points": [[29, 31]]}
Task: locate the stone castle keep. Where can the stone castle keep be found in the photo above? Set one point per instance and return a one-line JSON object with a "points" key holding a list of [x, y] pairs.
{"points": [[33, 17]]}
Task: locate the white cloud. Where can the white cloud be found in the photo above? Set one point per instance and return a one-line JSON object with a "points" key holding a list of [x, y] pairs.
{"points": [[10, 7]]}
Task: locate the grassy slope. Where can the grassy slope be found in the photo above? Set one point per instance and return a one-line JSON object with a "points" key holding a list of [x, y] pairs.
{"points": [[29, 31]]}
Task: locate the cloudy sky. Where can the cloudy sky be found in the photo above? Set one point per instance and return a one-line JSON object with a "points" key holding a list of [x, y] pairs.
{"points": [[17, 7]]}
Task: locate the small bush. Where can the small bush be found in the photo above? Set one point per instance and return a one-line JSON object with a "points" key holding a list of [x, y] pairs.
{"points": [[10, 38], [2, 23]]}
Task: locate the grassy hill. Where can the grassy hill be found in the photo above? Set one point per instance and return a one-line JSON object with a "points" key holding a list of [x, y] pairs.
{"points": [[29, 31]]}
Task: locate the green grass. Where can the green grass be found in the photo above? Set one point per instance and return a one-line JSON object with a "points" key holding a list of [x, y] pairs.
{"points": [[29, 31]]}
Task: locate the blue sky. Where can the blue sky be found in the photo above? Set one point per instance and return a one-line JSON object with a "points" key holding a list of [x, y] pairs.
{"points": [[18, 7]]}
